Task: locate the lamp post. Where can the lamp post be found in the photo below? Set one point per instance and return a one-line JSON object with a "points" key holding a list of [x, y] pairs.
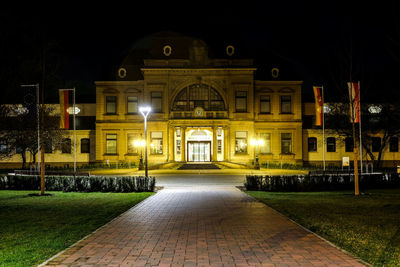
{"points": [[140, 144], [145, 110], [256, 143]]}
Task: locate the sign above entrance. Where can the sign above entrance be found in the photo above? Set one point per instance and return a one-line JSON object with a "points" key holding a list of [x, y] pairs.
{"points": [[198, 112]]}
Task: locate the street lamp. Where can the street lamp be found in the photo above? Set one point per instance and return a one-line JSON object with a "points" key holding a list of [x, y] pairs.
{"points": [[145, 110], [140, 144], [257, 143]]}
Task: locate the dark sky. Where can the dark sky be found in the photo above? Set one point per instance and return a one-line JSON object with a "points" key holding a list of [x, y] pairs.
{"points": [[317, 40]]}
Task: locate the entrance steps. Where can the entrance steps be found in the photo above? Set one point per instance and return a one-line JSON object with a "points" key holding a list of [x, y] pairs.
{"points": [[199, 166]]}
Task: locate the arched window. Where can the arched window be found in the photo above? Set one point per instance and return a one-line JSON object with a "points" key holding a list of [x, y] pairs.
{"points": [[198, 95]]}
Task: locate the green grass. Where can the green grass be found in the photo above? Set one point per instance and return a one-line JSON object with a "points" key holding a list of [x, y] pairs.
{"points": [[367, 226], [32, 229]]}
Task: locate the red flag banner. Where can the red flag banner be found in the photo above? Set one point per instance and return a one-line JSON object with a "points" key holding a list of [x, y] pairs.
{"points": [[64, 105], [354, 96], [318, 105]]}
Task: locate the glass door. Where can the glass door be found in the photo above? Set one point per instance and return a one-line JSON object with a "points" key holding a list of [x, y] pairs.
{"points": [[199, 151]]}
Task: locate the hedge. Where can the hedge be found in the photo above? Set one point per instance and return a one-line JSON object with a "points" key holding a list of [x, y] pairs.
{"points": [[79, 183], [326, 182]]}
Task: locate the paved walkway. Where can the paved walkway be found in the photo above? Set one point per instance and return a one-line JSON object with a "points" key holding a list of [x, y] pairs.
{"points": [[202, 226]]}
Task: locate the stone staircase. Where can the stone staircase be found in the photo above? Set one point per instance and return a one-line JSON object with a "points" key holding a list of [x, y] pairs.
{"points": [[198, 166]]}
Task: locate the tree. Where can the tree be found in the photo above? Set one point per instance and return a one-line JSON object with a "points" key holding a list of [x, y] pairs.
{"points": [[382, 120], [18, 130]]}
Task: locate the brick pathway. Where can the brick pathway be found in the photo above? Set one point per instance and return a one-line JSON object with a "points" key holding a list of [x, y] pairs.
{"points": [[202, 226]]}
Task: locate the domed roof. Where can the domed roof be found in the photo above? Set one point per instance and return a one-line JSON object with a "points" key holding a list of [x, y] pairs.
{"points": [[178, 49]]}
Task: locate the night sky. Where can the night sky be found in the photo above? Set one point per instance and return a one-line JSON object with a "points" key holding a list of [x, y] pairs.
{"points": [[318, 42]]}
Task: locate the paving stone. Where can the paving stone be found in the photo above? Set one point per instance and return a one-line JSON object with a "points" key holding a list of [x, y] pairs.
{"points": [[202, 226]]}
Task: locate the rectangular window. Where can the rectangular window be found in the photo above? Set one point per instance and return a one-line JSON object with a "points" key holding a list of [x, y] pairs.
{"points": [[66, 146], [132, 143], [156, 102], [111, 104], [312, 144], [331, 144], [48, 147], [156, 143], [111, 144], [85, 145], [241, 101], [286, 104], [132, 105], [394, 144], [286, 143], [349, 146], [178, 147], [265, 148], [241, 142], [219, 146], [376, 144], [265, 104]]}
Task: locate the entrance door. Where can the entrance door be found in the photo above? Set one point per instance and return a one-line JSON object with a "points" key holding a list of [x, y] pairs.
{"points": [[199, 151]]}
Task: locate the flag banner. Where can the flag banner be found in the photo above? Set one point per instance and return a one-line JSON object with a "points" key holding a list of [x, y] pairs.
{"points": [[318, 105], [64, 105], [354, 96]]}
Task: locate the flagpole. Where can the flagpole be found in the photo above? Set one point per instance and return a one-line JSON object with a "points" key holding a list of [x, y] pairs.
{"points": [[359, 125], [74, 132], [323, 127]]}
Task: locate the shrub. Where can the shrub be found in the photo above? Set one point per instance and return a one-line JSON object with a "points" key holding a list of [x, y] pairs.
{"points": [[320, 182], [80, 183]]}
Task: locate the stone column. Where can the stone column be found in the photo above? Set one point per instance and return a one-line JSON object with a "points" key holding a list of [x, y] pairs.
{"points": [[171, 143], [226, 144], [214, 145], [183, 145]]}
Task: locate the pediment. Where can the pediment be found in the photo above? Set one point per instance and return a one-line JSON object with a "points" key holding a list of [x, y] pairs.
{"points": [[132, 91], [265, 90], [286, 90]]}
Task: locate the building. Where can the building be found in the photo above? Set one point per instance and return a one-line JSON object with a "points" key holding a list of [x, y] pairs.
{"points": [[203, 109]]}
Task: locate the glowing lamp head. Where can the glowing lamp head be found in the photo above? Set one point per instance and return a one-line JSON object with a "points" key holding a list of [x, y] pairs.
{"points": [[145, 110]]}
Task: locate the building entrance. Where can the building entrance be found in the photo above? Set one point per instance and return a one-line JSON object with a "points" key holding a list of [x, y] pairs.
{"points": [[199, 151]]}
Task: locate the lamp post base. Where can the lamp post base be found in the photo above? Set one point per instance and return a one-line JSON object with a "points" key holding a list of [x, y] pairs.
{"points": [[257, 164], [141, 165]]}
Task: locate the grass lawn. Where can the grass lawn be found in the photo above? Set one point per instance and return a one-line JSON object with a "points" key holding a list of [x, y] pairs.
{"points": [[367, 226], [32, 229]]}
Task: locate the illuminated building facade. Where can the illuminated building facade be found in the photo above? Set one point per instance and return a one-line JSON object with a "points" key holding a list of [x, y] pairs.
{"points": [[202, 109]]}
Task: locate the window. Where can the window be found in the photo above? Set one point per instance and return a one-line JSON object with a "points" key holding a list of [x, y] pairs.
{"points": [[219, 146], [376, 144], [241, 101], [131, 148], [349, 146], [3, 146], [198, 95], [266, 147], [132, 105], [156, 143], [178, 147], [66, 146], [265, 104], [312, 144], [111, 144], [48, 146], [286, 143], [331, 144], [111, 104], [85, 145], [241, 142], [156, 102], [286, 104], [394, 144]]}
